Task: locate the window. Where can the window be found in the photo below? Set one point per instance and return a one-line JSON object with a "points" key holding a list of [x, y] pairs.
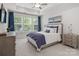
{"points": [[25, 22], [17, 23]]}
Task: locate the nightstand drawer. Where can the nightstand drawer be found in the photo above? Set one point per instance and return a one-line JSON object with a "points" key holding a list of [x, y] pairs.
{"points": [[67, 42], [66, 39], [67, 36]]}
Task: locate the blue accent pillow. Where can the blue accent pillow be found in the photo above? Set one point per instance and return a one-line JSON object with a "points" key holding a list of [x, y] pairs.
{"points": [[47, 31]]}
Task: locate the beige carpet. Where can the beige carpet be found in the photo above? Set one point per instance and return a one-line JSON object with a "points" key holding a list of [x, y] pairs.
{"points": [[24, 48]]}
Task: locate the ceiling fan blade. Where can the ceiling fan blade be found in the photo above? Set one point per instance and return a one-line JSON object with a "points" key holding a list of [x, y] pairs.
{"points": [[43, 3], [40, 7]]}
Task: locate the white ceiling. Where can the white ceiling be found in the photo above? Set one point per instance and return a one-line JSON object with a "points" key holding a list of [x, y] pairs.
{"points": [[27, 7], [30, 6]]}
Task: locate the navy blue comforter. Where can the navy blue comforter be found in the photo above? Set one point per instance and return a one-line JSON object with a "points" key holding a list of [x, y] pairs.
{"points": [[38, 38]]}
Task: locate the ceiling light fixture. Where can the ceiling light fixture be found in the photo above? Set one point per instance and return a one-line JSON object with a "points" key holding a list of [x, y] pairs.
{"points": [[37, 5]]}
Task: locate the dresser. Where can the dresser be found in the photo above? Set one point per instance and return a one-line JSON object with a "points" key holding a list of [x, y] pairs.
{"points": [[70, 40], [7, 45]]}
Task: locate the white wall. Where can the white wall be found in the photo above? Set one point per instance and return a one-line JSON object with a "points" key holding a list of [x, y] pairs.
{"points": [[69, 13], [71, 17]]}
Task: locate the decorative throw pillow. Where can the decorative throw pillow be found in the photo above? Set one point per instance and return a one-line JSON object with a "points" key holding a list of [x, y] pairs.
{"points": [[47, 31]]}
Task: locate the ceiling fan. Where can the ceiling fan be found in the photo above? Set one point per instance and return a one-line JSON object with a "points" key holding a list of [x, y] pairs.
{"points": [[39, 5]]}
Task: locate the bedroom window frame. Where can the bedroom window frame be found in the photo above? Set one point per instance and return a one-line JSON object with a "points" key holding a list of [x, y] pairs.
{"points": [[22, 21]]}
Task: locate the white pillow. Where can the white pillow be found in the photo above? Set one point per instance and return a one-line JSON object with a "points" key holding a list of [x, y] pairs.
{"points": [[53, 30]]}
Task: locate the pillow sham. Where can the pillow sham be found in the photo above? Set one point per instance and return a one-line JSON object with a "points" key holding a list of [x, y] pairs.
{"points": [[47, 31], [53, 29]]}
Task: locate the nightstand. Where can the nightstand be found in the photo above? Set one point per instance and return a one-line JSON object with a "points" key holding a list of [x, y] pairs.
{"points": [[70, 40]]}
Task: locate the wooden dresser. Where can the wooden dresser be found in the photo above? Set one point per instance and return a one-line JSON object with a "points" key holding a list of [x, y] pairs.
{"points": [[7, 45], [70, 40]]}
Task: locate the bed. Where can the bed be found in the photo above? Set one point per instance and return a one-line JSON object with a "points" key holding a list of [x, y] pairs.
{"points": [[45, 38]]}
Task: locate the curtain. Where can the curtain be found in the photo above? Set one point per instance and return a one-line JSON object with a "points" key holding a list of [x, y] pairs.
{"points": [[39, 23], [0, 14], [10, 21], [4, 19], [3, 14]]}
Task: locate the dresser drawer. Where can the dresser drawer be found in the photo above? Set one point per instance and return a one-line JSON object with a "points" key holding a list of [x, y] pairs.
{"points": [[7, 46], [66, 39]]}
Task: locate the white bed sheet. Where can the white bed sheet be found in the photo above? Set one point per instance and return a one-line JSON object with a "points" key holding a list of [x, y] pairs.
{"points": [[51, 37]]}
